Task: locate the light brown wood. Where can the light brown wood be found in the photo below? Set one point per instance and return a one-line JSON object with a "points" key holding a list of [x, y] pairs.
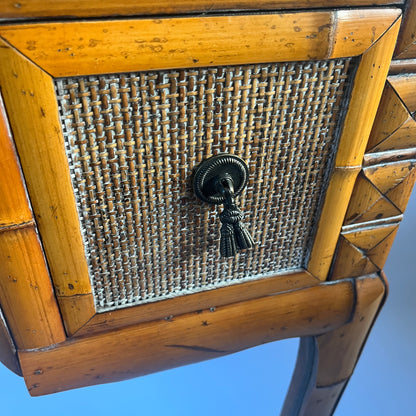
{"points": [[363, 249], [170, 308], [368, 238], [405, 86], [14, 206], [33, 110], [406, 43], [350, 261], [330, 223], [402, 138], [96, 47], [76, 311], [8, 353], [382, 189], [78, 48], [80, 8], [185, 339], [403, 66], [368, 203], [81, 48], [391, 115], [368, 87], [387, 176], [357, 30], [367, 91], [26, 293], [371, 159], [326, 362], [334, 366]]}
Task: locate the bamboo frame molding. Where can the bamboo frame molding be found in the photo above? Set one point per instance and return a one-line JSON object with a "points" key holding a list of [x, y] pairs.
{"points": [[187, 338], [82, 48], [32, 54], [79, 8]]}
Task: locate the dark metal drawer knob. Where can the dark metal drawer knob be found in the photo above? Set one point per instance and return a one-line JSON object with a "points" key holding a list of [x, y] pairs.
{"points": [[219, 180]]}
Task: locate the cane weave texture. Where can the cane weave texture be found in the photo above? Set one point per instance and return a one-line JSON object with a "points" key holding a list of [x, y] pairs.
{"points": [[132, 142]]}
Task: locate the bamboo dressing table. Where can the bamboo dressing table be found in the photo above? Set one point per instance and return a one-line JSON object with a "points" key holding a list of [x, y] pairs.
{"points": [[106, 113]]}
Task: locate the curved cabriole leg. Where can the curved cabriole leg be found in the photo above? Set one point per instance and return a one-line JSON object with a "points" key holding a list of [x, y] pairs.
{"points": [[326, 362]]}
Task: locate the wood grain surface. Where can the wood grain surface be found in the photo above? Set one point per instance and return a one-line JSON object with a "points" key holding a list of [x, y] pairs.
{"points": [[26, 293], [97, 47], [31, 104], [168, 309], [79, 8], [406, 43], [194, 337], [8, 353], [14, 205], [326, 362]]}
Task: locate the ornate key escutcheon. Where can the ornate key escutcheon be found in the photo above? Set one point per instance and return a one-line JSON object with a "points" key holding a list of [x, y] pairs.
{"points": [[219, 180]]}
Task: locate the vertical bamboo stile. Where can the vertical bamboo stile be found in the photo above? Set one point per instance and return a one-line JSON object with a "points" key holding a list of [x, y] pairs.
{"points": [[368, 87], [26, 293], [326, 362], [8, 353], [14, 206], [146, 44], [33, 111], [383, 187]]}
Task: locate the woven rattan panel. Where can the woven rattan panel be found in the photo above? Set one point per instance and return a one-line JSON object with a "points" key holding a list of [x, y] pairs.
{"points": [[132, 142]]}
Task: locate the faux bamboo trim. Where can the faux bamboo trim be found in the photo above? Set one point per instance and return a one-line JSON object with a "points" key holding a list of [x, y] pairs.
{"points": [[79, 8], [372, 224], [8, 353], [26, 293], [14, 205], [403, 66], [332, 215], [134, 45], [188, 338], [405, 87], [371, 159], [30, 223], [169, 309], [77, 311]]}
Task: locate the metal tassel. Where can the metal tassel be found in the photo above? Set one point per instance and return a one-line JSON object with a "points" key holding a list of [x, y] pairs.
{"points": [[242, 236], [228, 246], [234, 235]]}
